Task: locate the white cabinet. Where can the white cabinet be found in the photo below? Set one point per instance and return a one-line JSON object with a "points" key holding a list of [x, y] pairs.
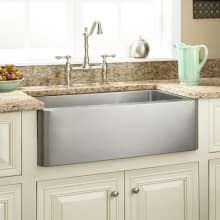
{"points": [[99, 197], [214, 125], [10, 202], [214, 189], [10, 144], [164, 193]]}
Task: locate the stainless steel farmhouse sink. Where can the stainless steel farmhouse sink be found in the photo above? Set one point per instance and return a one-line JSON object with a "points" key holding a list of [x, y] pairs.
{"points": [[103, 126]]}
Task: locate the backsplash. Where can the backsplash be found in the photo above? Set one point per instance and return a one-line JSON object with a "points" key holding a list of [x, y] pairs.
{"points": [[41, 75]]}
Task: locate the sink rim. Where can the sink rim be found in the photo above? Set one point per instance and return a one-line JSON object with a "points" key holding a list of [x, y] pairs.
{"points": [[112, 132], [176, 98]]}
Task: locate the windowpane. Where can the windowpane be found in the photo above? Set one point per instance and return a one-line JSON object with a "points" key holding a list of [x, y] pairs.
{"points": [[42, 29], [106, 12], [12, 23], [48, 24], [145, 21]]}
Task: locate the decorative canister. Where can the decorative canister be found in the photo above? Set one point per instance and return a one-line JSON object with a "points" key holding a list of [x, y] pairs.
{"points": [[139, 48]]}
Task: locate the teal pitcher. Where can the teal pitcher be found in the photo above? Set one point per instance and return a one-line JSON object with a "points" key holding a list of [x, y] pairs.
{"points": [[189, 63]]}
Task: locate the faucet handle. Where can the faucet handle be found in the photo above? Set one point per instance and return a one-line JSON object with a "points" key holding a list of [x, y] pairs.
{"points": [[68, 66], [104, 56], [67, 57]]}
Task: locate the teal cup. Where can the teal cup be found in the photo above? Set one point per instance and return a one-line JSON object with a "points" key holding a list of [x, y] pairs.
{"points": [[189, 63]]}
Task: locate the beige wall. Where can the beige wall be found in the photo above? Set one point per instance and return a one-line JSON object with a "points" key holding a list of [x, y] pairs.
{"points": [[202, 31]]}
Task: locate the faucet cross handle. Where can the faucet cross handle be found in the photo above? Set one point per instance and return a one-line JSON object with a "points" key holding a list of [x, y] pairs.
{"points": [[67, 57], [104, 56], [68, 66], [104, 66]]}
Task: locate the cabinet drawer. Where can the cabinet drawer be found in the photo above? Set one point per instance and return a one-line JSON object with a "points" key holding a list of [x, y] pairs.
{"points": [[10, 144], [214, 125], [162, 193], [214, 189], [10, 202], [99, 197]]}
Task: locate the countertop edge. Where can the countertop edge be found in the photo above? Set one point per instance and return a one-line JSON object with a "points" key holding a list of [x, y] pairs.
{"points": [[24, 98]]}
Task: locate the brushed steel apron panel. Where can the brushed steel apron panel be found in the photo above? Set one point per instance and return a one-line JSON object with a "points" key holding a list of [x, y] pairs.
{"points": [[82, 134]]}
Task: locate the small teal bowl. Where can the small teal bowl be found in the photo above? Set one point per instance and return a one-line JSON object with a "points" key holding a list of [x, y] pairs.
{"points": [[9, 85]]}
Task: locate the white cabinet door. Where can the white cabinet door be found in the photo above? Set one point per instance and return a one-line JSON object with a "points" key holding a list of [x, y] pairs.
{"points": [[10, 144], [164, 193], [10, 202], [99, 197], [214, 189], [214, 125]]}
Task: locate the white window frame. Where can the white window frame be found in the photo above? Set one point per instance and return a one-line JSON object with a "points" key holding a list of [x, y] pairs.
{"points": [[25, 57]]}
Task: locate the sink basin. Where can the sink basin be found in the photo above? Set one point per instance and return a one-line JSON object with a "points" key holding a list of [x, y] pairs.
{"points": [[107, 98], [103, 126]]}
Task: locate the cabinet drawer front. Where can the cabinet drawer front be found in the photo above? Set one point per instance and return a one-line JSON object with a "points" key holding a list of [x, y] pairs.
{"points": [[10, 144], [214, 189], [214, 125], [99, 197], [162, 193], [10, 202]]}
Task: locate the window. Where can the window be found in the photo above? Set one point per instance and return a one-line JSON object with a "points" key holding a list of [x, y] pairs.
{"points": [[38, 30]]}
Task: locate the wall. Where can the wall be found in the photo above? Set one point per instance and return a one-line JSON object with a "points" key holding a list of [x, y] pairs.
{"points": [[201, 31]]}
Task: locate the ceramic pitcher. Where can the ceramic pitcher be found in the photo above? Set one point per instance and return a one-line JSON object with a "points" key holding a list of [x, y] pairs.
{"points": [[189, 63]]}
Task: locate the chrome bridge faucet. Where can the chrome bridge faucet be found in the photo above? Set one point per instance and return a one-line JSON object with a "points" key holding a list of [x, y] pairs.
{"points": [[87, 33]]}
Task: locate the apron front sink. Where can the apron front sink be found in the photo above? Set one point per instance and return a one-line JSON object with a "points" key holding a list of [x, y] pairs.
{"points": [[104, 126]]}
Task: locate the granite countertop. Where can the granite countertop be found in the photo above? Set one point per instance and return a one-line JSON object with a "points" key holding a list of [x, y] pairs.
{"points": [[208, 88], [195, 92], [22, 100], [37, 91], [18, 101]]}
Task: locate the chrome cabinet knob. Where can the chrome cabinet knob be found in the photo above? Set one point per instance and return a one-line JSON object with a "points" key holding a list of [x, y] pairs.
{"points": [[115, 194], [135, 190]]}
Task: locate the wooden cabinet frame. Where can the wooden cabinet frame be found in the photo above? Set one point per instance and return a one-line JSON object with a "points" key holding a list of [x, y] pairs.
{"points": [[10, 144]]}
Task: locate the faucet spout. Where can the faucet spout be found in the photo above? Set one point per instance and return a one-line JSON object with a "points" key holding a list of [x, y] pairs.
{"points": [[87, 33], [99, 28]]}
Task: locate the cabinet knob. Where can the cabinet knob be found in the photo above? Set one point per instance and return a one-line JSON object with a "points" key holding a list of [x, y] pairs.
{"points": [[115, 194], [135, 190]]}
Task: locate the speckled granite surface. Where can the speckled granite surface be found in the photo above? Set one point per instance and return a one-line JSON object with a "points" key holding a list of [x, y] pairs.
{"points": [[88, 88], [18, 101], [46, 80], [205, 90], [196, 92], [117, 72], [22, 100]]}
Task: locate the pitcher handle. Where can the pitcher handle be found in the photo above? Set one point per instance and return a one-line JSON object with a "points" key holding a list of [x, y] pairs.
{"points": [[205, 56]]}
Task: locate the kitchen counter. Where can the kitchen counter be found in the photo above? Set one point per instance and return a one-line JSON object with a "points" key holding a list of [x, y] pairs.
{"points": [[22, 100], [208, 88], [89, 88], [195, 92], [17, 101]]}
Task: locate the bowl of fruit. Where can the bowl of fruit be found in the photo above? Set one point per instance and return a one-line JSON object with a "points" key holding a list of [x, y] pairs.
{"points": [[10, 77]]}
